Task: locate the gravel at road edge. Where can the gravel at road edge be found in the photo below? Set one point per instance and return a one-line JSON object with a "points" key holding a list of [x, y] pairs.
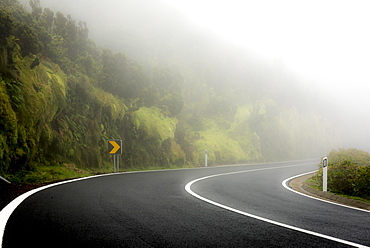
{"points": [[301, 185]]}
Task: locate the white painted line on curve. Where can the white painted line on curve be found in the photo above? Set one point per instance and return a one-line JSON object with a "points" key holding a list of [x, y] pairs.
{"points": [[9, 209], [285, 185], [188, 189]]}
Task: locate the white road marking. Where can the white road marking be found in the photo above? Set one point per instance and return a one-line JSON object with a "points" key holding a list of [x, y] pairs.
{"points": [[188, 189], [9, 209], [285, 184]]}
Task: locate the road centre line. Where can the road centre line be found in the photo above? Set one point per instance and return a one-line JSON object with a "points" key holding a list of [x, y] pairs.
{"points": [[188, 189]]}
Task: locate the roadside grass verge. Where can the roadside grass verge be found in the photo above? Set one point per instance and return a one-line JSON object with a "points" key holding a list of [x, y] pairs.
{"points": [[49, 174], [314, 183]]}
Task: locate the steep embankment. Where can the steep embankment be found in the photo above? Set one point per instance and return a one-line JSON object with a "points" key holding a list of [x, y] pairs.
{"points": [[49, 118], [62, 98]]}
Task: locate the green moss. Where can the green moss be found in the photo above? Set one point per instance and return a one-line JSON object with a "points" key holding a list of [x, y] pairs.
{"points": [[44, 92], [222, 146], [153, 125], [117, 106], [8, 118], [8, 128], [153, 136], [236, 142], [55, 121], [42, 174], [243, 113]]}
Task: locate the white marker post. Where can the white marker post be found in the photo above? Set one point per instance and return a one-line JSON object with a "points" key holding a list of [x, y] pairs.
{"points": [[117, 163], [114, 163], [206, 158], [325, 174]]}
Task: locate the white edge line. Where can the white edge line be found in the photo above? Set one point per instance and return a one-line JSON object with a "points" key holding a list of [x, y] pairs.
{"points": [[285, 184], [188, 189], [8, 209]]}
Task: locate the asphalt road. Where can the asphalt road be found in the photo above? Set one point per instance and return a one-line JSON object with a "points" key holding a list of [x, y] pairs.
{"points": [[153, 209]]}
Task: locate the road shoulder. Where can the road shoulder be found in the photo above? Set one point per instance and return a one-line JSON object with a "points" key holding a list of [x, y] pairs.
{"points": [[299, 184]]}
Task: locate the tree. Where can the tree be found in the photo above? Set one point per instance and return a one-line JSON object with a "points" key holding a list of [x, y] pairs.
{"points": [[60, 23], [36, 8], [28, 39], [6, 26], [48, 20], [9, 2]]}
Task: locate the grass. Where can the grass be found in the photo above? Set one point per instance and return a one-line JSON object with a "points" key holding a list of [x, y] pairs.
{"points": [[49, 174], [353, 197], [221, 146], [150, 168], [313, 184], [155, 124]]}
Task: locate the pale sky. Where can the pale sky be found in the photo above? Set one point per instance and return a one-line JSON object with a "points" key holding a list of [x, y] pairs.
{"points": [[327, 41]]}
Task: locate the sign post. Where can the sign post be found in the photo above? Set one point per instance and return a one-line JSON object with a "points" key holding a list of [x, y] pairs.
{"points": [[115, 148], [325, 174], [206, 158]]}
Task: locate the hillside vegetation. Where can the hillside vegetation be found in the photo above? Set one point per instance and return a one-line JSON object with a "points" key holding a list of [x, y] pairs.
{"points": [[348, 173], [62, 98]]}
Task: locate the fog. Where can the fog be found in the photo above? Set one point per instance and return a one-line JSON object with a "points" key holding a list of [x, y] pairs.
{"points": [[324, 42]]}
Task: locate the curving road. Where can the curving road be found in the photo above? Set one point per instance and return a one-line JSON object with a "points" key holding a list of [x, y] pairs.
{"points": [[232, 206]]}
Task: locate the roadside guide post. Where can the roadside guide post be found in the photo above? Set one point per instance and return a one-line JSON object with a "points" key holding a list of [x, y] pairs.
{"points": [[115, 148], [325, 174], [206, 158]]}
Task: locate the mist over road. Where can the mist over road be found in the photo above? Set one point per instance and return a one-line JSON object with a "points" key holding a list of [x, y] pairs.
{"points": [[153, 209]]}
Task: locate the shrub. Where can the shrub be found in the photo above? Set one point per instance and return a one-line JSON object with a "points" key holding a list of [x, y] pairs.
{"points": [[348, 173]]}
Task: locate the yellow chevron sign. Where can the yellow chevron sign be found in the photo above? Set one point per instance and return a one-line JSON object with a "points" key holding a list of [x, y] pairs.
{"points": [[114, 147]]}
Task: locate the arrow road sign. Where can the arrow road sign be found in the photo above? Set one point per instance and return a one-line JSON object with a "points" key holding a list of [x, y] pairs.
{"points": [[114, 147]]}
